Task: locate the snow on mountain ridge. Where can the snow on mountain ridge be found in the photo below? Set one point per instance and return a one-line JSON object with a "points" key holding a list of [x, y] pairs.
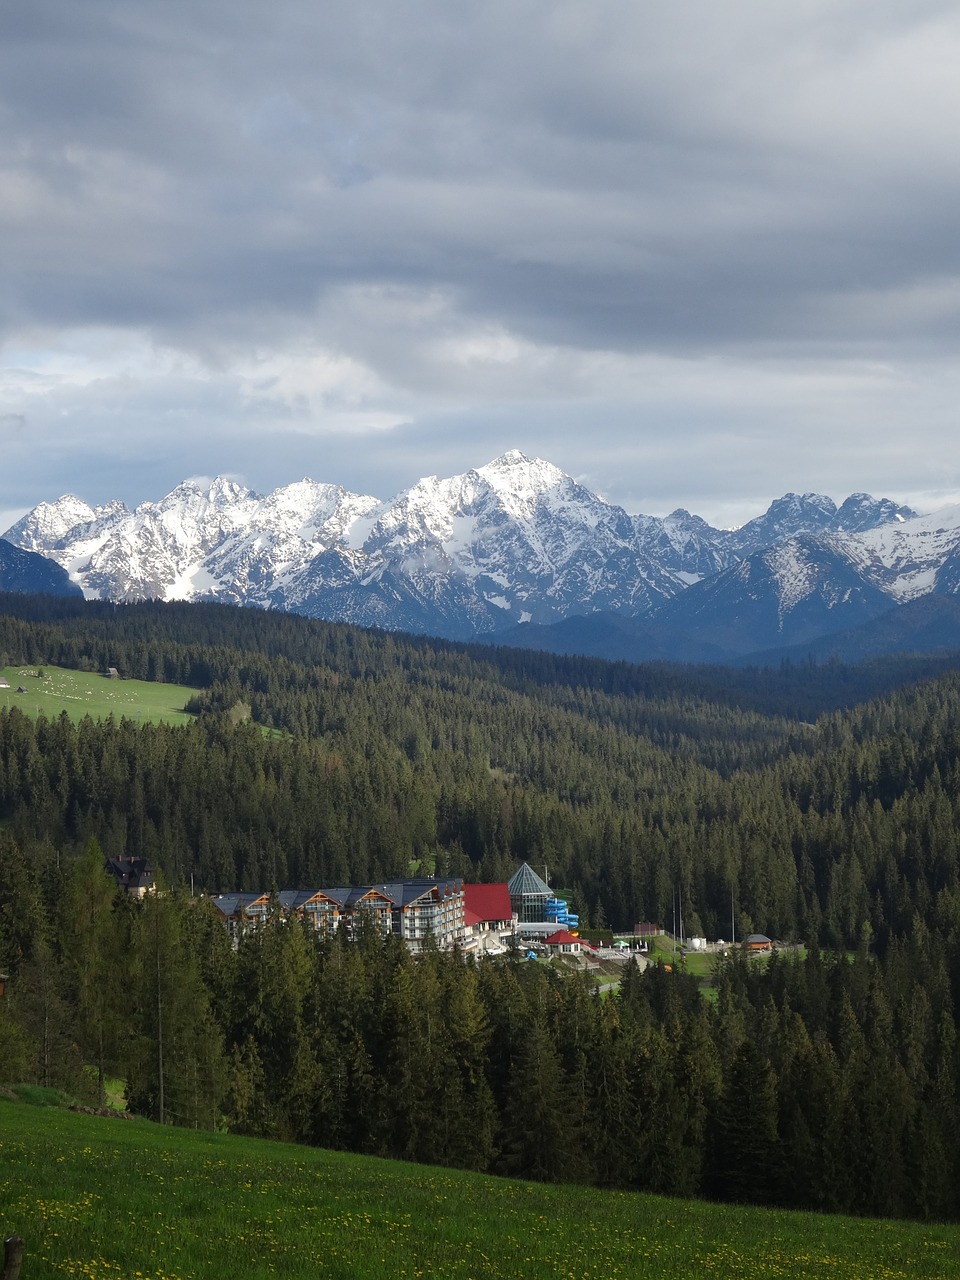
{"points": [[793, 572], [49, 523], [521, 481], [902, 558], [516, 539]]}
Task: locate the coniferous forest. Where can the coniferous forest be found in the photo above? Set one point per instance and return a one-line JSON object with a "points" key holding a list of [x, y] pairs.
{"points": [[817, 804]]}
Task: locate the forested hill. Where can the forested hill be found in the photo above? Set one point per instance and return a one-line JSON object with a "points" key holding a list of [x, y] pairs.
{"points": [[818, 800]]}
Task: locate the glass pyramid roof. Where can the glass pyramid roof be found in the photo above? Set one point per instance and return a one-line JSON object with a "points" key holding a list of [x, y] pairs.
{"points": [[526, 883]]}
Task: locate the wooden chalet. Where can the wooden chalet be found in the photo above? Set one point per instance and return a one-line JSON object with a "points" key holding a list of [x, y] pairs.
{"points": [[133, 875], [757, 942]]}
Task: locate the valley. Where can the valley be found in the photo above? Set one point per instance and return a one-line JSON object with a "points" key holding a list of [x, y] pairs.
{"points": [[818, 806]]}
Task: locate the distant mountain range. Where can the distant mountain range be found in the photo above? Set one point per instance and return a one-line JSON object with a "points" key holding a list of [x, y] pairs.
{"points": [[518, 552]]}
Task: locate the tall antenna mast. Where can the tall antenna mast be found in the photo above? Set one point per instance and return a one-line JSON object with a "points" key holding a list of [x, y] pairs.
{"points": [[680, 892], [673, 898], [733, 922]]}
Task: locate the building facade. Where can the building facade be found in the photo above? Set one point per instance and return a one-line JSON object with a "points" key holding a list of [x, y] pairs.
{"points": [[415, 910]]}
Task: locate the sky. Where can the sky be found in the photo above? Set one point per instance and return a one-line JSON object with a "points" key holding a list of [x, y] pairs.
{"points": [[694, 254]]}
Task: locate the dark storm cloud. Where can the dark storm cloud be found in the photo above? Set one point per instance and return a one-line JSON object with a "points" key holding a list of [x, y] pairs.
{"points": [[703, 244]]}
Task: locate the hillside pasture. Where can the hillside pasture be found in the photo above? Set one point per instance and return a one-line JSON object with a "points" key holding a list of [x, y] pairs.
{"points": [[106, 1199], [89, 693]]}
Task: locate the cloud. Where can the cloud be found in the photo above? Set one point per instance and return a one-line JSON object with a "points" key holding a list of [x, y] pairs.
{"points": [[698, 250]]}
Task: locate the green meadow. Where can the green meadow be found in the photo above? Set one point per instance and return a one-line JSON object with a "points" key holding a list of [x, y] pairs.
{"points": [[87, 693], [109, 1199]]}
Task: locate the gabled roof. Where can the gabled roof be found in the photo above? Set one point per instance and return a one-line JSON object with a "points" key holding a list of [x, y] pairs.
{"points": [[526, 883], [294, 899], [340, 895], [228, 904], [562, 938], [308, 896], [486, 902], [130, 872], [404, 892], [364, 893]]}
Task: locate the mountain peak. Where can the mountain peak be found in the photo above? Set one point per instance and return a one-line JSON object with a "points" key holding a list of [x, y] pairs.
{"points": [[225, 491], [519, 480], [862, 511], [516, 540]]}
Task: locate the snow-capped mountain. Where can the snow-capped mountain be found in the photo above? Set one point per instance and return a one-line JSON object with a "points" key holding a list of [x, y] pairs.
{"points": [[813, 513], [795, 591], [511, 542]]}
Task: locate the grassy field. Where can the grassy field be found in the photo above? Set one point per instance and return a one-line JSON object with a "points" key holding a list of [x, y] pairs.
{"points": [[699, 963], [82, 693], [105, 1199], [702, 963]]}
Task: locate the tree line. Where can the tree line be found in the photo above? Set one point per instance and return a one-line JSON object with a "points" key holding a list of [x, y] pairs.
{"points": [[816, 804], [827, 1081], [807, 831]]}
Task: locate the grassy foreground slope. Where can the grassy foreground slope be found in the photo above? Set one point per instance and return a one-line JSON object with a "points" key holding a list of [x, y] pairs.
{"points": [[87, 693], [104, 1198]]}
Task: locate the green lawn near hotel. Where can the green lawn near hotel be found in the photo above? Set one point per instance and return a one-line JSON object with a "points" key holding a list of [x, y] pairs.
{"points": [[88, 693], [110, 1199]]}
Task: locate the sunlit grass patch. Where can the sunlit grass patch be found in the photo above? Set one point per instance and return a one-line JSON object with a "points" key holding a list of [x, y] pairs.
{"points": [[102, 1199], [49, 691]]}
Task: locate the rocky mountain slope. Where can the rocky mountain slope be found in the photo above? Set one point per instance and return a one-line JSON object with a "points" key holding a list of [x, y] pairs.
{"points": [[25, 572]]}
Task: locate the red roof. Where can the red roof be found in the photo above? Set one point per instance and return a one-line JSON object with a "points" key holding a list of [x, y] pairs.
{"points": [[562, 939], [485, 902]]}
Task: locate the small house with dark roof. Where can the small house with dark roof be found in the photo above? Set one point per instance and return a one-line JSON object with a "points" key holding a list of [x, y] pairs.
{"points": [[133, 875], [757, 942]]}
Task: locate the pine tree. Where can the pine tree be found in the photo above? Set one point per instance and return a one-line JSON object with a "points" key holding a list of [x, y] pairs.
{"points": [[534, 1139], [92, 938], [176, 1069], [746, 1153]]}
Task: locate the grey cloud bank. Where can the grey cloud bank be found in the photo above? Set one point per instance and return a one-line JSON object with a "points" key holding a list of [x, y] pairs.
{"points": [[694, 255]]}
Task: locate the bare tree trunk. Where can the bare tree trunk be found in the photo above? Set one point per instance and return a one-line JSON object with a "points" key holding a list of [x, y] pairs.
{"points": [[159, 1025]]}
